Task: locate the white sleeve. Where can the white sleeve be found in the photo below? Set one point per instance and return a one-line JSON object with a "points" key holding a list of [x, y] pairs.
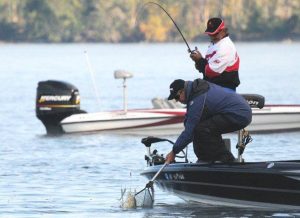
{"points": [[220, 61]]}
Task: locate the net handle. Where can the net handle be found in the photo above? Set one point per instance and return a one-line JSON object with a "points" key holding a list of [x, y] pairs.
{"points": [[150, 183], [158, 172]]}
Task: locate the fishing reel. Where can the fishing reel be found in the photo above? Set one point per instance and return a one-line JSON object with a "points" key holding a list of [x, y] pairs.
{"points": [[193, 51]]}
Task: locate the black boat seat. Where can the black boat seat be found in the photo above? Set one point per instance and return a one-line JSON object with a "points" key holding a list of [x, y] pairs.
{"points": [[255, 100]]}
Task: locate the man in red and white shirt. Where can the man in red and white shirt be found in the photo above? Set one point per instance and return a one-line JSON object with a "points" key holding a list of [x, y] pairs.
{"points": [[221, 62]]}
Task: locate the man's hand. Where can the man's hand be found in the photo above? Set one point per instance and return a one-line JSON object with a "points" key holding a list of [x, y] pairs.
{"points": [[196, 55], [170, 157]]}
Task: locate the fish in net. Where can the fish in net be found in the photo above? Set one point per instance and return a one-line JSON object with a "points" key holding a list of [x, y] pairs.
{"points": [[143, 198], [127, 199]]}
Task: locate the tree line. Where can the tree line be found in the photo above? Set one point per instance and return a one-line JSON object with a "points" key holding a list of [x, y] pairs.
{"points": [[138, 21]]}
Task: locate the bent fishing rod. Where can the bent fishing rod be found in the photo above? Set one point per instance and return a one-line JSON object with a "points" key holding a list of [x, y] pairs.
{"points": [[189, 49]]}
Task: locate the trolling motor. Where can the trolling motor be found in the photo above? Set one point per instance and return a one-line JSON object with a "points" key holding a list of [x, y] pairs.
{"points": [[153, 157]]}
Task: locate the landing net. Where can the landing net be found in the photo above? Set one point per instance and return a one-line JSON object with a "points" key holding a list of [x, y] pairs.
{"points": [[145, 198]]}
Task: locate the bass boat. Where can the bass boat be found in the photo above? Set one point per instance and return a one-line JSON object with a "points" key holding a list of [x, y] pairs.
{"points": [[58, 107], [269, 184]]}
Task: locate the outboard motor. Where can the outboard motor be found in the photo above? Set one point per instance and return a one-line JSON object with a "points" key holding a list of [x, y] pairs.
{"points": [[56, 100]]}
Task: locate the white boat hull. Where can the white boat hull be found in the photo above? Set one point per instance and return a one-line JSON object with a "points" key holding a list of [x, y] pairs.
{"points": [[275, 118], [170, 121], [156, 121]]}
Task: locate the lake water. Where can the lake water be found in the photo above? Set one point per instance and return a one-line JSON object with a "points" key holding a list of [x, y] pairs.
{"points": [[81, 175]]}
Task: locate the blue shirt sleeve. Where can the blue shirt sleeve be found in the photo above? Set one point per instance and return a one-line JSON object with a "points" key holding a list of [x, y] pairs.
{"points": [[193, 115]]}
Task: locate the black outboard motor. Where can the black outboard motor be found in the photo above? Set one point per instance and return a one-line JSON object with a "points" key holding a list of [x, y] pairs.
{"points": [[56, 100]]}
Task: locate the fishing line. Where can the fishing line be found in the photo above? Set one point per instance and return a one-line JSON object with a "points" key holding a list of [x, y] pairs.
{"points": [[189, 49], [92, 77]]}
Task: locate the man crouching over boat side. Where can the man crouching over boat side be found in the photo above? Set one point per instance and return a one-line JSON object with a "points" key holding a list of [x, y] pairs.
{"points": [[211, 112]]}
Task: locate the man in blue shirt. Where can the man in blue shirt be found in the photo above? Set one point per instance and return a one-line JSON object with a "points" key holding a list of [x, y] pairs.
{"points": [[211, 112]]}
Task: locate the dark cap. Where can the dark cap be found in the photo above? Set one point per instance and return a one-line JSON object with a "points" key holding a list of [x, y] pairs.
{"points": [[175, 86], [214, 25]]}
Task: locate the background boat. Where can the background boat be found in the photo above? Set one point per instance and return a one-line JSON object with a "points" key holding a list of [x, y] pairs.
{"points": [[170, 121], [58, 107]]}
